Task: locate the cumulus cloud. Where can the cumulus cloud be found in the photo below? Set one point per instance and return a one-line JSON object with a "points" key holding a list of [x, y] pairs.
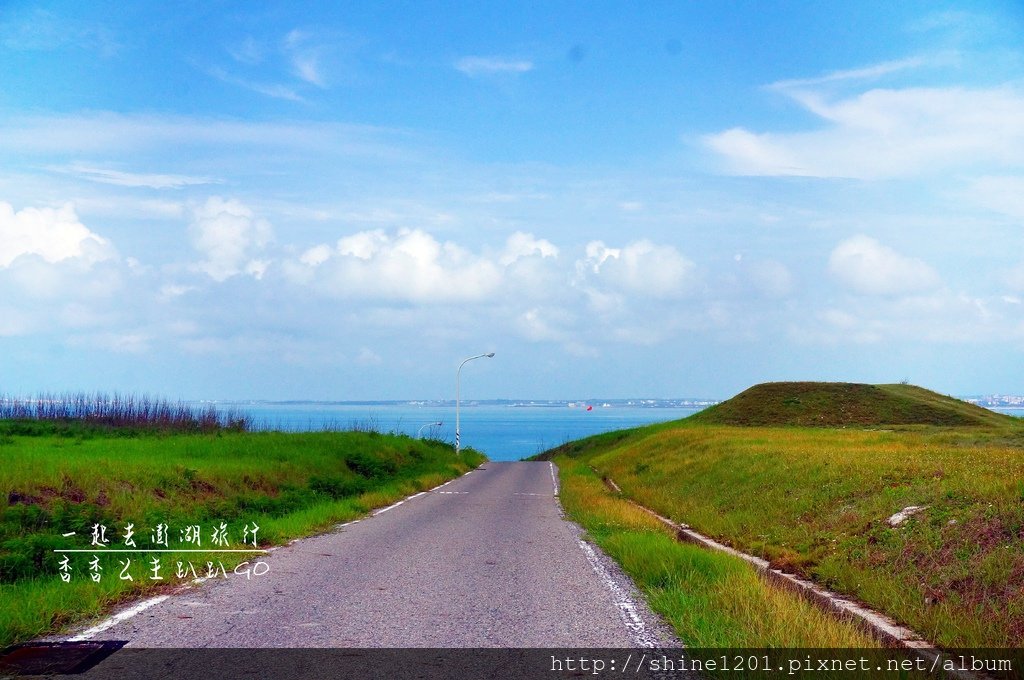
{"points": [[490, 66], [521, 244], [409, 265], [884, 133], [640, 267], [53, 234], [865, 266], [230, 237], [52, 270]]}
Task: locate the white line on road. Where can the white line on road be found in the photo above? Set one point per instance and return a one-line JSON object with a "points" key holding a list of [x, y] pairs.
{"points": [[554, 477], [395, 505], [642, 637], [117, 618]]}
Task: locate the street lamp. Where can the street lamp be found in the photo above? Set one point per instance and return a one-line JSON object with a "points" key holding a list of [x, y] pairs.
{"points": [[419, 432], [458, 375]]}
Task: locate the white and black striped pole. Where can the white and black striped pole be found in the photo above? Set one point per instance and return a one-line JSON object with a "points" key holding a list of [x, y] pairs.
{"points": [[458, 379]]}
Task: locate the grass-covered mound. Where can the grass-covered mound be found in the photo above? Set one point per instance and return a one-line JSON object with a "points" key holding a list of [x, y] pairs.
{"points": [[817, 501], [824, 404]]}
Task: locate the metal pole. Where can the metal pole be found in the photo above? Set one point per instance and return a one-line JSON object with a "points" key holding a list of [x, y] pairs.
{"points": [[419, 432], [458, 381]]}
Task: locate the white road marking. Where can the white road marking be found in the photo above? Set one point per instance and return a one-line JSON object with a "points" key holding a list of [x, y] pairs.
{"points": [[554, 477], [461, 493], [395, 505], [642, 637], [343, 525], [118, 618], [523, 493]]}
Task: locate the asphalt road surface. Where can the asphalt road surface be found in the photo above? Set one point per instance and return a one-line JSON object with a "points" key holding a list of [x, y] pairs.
{"points": [[484, 561]]}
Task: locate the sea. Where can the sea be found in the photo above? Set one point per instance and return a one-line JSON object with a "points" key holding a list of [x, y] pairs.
{"points": [[502, 431]]}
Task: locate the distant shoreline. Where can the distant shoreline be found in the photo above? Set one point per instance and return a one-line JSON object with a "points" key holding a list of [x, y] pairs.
{"points": [[522, 403]]}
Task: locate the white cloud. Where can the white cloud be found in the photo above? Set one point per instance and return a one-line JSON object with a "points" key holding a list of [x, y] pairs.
{"points": [[71, 278], [1014, 278], [132, 342], [1003, 194], [490, 66], [885, 133], [275, 90], [412, 265], [307, 68], [52, 270], [129, 179], [521, 244], [640, 267], [936, 317], [257, 268], [247, 52], [35, 29], [304, 57], [129, 136], [54, 234], [770, 277], [169, 291], [367, 357], [538, 325], [865, 266], [865, 73], [316, 255], [14, 321], [408, 265], [230, 236]]}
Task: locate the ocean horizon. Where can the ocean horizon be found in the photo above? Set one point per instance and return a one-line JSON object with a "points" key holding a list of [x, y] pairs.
{"points": [[502, 429]]}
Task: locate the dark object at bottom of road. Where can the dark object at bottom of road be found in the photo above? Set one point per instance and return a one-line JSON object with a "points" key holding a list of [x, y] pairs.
{"points": [[55, 658]]}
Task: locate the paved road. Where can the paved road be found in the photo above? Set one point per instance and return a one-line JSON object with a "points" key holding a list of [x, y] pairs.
{"points": [[485, 561]]}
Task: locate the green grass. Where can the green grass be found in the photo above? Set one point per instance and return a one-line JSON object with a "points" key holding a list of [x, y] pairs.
{"points": [[711, 599], [70, 479], [816, 404], [814, 501]]}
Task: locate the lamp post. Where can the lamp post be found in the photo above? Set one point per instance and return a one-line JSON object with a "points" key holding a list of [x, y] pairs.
{"points": [[458, 376], [419, 432]]}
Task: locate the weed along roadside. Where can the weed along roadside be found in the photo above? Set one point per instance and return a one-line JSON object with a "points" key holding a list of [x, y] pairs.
{"points": [[818, 503], [90, 486]]}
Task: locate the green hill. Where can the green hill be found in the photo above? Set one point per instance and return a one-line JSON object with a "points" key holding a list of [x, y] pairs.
{"points": [[823, 404], [817, 490]]}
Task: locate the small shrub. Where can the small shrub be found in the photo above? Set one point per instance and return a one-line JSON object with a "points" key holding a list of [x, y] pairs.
{"points": [[338, 486]]}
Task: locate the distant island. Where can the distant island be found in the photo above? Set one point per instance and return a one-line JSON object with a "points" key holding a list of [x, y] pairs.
{"points": [[997, 401]]}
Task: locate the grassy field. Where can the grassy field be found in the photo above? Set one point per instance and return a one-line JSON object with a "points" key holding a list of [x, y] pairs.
{"points": [[815, 501], [711, 599], [69, 477]]}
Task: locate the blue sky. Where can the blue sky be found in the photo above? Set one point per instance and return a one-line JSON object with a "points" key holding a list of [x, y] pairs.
{"points": [[237, 200]]}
